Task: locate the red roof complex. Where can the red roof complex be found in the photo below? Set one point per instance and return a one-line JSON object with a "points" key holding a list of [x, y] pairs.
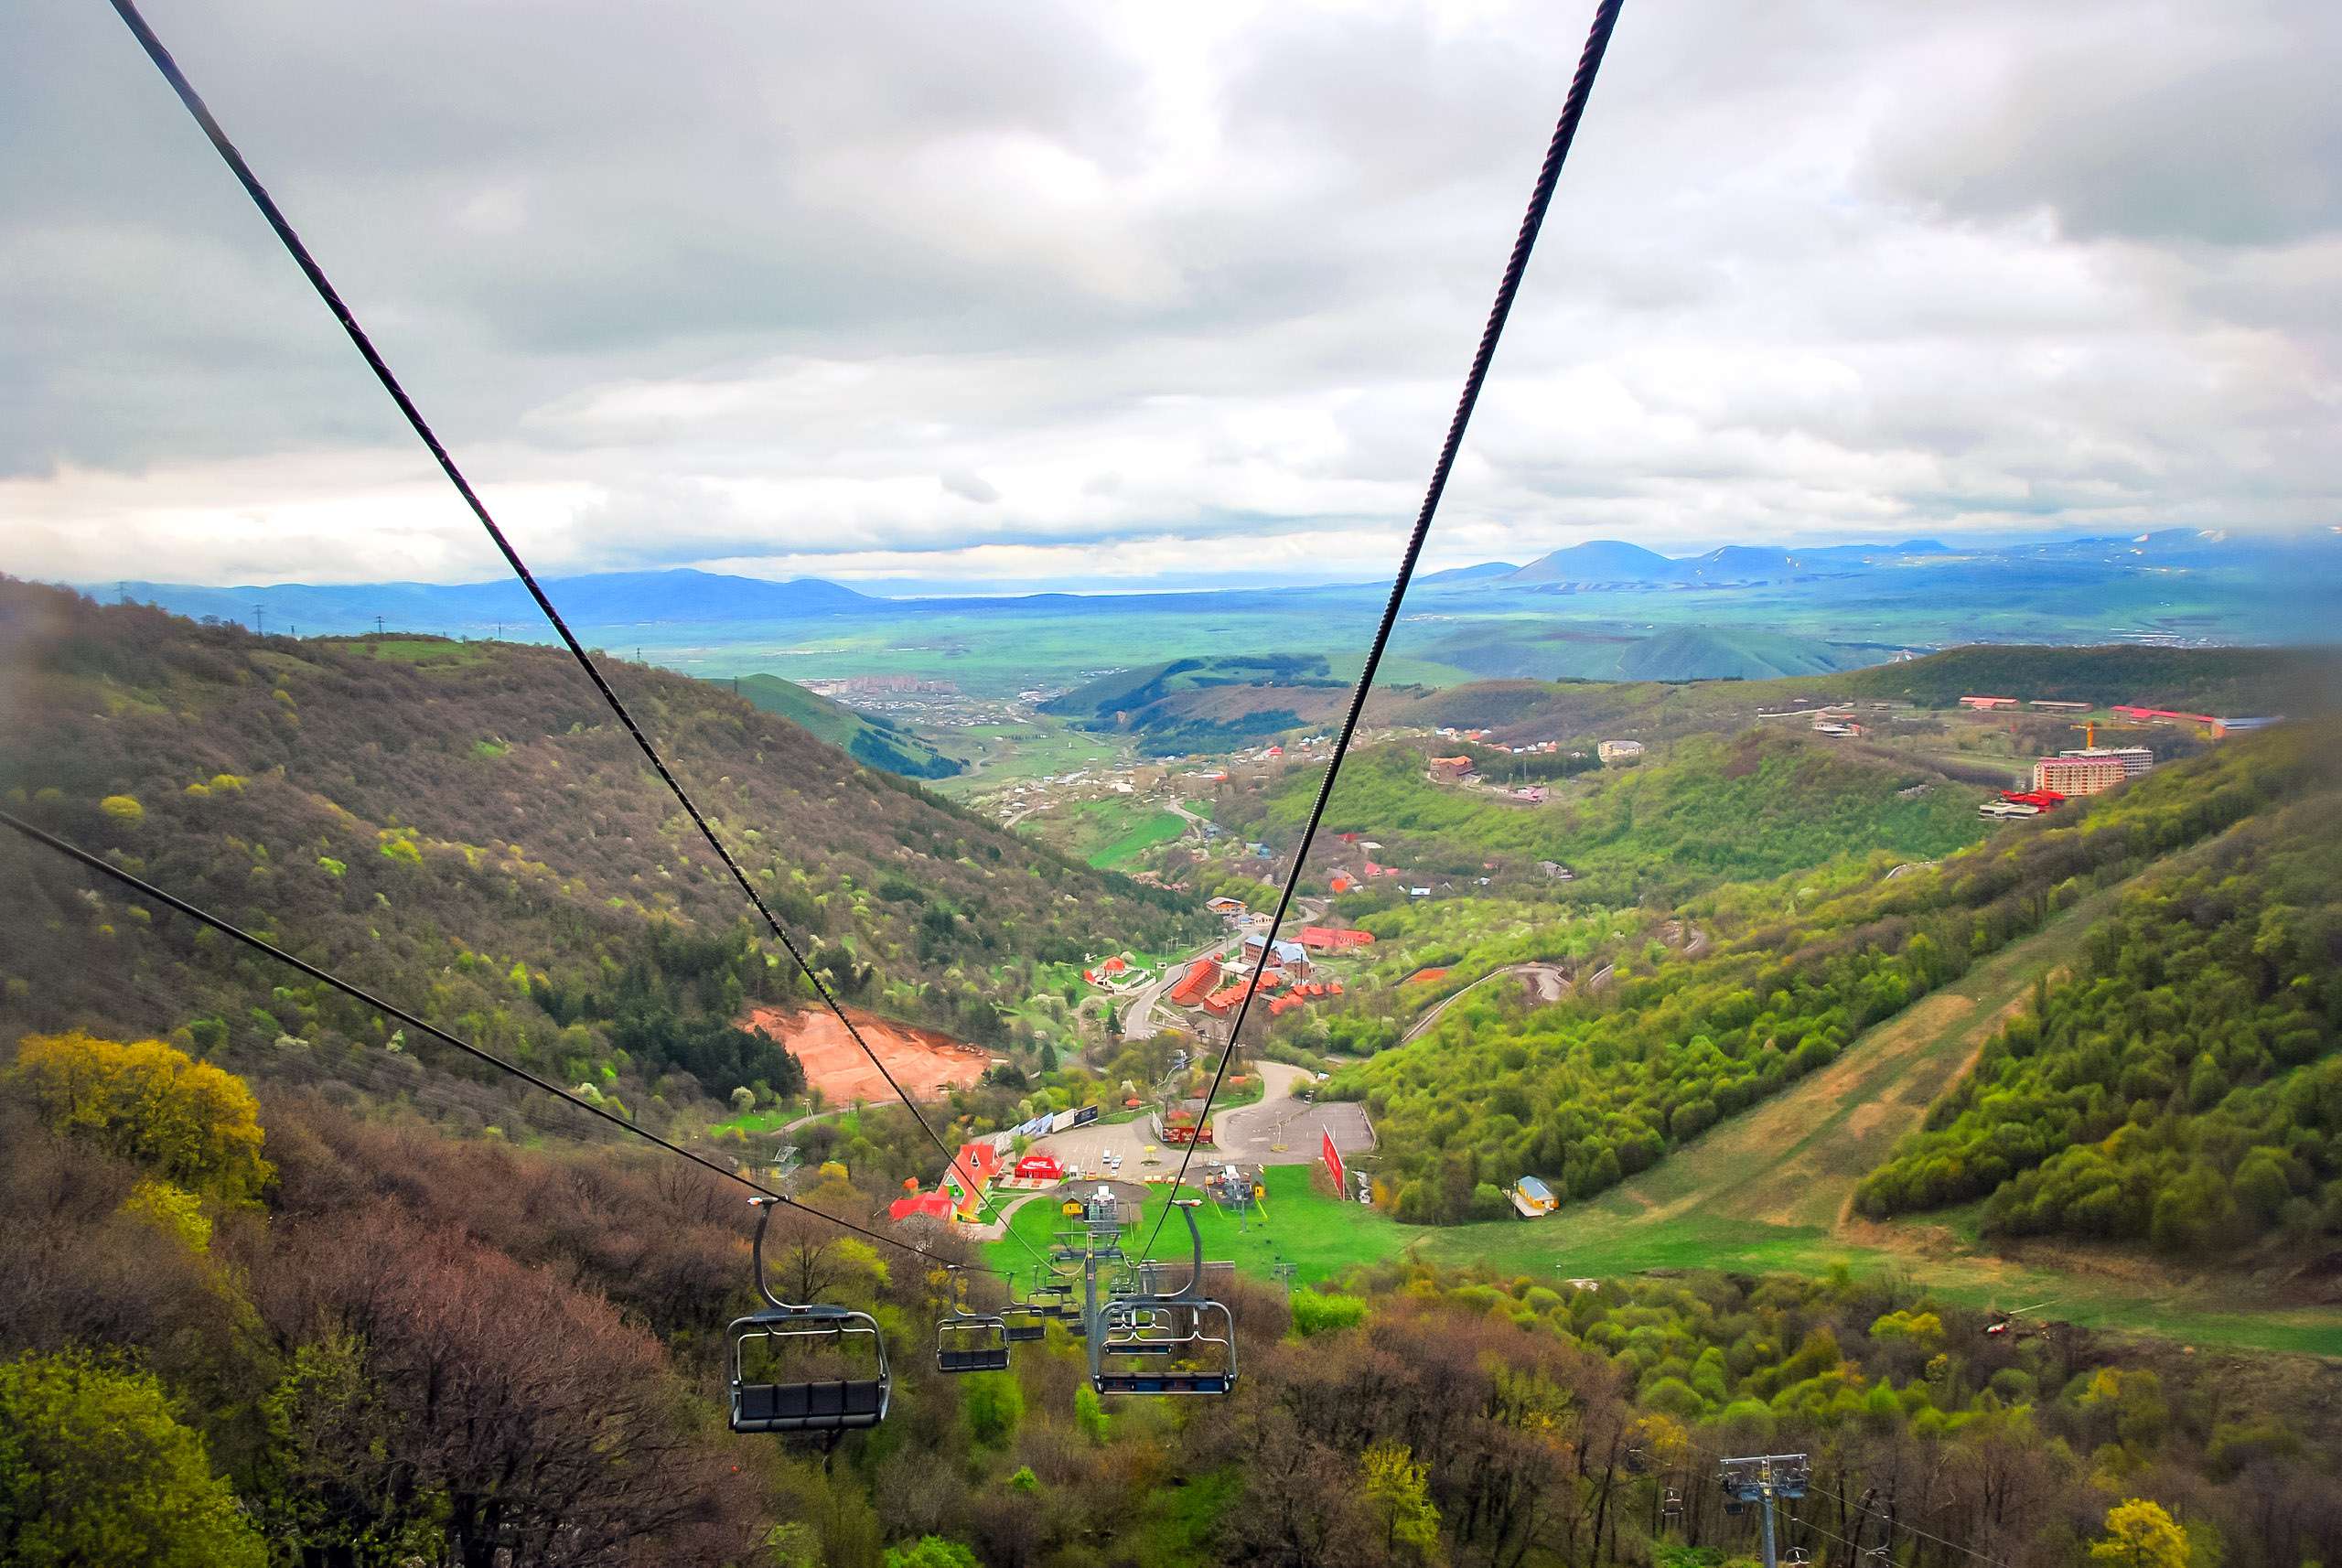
{"points": [[1197, 983], [925, 1206], [1326, 939], [2162, 715]]}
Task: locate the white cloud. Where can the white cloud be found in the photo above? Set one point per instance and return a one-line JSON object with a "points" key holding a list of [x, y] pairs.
{"points": [[1090, 290]]}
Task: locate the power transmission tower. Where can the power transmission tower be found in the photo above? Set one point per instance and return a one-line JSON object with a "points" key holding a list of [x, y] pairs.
{"points": [[378, 626], [1764, 1479], [260, 621]]}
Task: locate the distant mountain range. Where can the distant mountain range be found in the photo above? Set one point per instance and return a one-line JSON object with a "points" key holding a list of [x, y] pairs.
{"points": [[1752, 610], [1614, 564], [597, 599]]}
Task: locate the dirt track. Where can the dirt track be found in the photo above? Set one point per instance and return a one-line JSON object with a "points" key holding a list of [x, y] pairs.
{"points": [[924, 1062]]}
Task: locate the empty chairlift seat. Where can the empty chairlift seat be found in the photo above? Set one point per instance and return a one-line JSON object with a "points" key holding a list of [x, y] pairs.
{"points": [[788, 1337], [1186, 1328], [969, 1341]]}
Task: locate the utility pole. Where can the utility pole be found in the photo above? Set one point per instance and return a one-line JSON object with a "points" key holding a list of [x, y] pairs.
{"points": [[1764, 1479], [1285, 1273]]}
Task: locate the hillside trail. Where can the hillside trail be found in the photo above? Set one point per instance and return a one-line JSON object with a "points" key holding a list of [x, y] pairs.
{"points": [[1773, 1188]]}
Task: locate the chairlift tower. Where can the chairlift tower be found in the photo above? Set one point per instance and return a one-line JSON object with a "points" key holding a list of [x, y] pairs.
{"points": [[1764, 1479]]}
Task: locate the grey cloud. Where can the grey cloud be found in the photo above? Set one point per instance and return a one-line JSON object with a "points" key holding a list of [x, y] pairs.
{"points": [[762, 289], [2220, 125], [970, 486]]}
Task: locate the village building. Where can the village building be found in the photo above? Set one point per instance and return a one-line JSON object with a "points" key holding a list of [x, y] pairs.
{"points": [[1987, 704], [1202, 977], [2078, 775], [1329, 938], [1533, 1198], [1450, 769], [1619, 750], [2135, 760]]}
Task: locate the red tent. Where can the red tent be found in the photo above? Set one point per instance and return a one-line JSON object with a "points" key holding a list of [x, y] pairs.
{"points": [[1039, 1167]]}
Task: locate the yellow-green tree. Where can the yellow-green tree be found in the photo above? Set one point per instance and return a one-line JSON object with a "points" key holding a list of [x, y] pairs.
{"points": [[2139, 1534], [186, 1121], [1398, 1493], [94, 1468]]}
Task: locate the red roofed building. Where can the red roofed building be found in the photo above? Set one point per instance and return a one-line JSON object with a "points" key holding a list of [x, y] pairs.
{"points": [[2166, 716], [1986, 705], [1039, 1167], [925, 1206], [1327, 938], [1222, 1000], [1197, 983], [1342, 882], [979, 1163]]}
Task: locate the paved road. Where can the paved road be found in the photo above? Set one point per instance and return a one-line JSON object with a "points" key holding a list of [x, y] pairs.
{"points": [[1551, 983]]}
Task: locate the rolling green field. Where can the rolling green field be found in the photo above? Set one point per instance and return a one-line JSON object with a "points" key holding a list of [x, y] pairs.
{"points": [[1001, 755], [1107, 833]]}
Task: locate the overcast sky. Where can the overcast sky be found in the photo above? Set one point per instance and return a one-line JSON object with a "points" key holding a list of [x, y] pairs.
{"points": [[1101, 294]]}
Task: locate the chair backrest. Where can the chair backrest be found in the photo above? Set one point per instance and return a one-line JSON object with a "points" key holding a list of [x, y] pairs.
{"points": [[790, 1330]]}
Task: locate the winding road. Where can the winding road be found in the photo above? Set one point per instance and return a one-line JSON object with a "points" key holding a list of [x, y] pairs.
{"points": [[1551, 983]]}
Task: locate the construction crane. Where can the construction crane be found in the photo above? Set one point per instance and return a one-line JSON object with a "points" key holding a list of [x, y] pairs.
{"points": [[2089, 733]]}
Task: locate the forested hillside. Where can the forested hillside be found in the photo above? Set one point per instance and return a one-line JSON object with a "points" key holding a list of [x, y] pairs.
{"points": [[274, 1331], [1709, 811], [870, 738], [462, 827], [2182, 1085], [1587, 1091]]}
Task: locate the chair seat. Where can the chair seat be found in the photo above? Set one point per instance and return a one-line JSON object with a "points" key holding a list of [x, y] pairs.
{"points": [[1164, 1383], [1026, 1333], [991, 1359], [842, 1404]]}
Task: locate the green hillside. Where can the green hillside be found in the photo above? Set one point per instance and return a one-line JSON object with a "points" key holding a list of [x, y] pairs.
{"points": [[1587, 1092], [465, 827], [870, 739], [2232, 682], [2182, 1083], [1708, 810]]}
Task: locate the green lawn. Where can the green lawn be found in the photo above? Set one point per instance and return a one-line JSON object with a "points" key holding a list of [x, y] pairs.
{"points": [[1297, 1225]]}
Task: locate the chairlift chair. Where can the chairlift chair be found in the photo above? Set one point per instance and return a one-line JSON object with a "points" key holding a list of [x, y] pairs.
{"points": [[969, 1341], [1135, 1323], [827, 1405]]}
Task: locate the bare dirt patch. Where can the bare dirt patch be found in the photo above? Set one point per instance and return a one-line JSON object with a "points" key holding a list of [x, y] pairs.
{"points": [[926, 1063]]}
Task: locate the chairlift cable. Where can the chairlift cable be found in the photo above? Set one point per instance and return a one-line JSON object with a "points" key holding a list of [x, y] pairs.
{"points": [[229, 153], [356, 992], [1606, 17]]}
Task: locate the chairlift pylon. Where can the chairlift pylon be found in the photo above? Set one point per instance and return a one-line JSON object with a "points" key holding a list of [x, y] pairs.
{"points": [[826, 1405]]}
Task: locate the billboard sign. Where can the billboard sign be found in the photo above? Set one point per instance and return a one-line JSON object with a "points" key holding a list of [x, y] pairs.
{"points": [[1333, 1158]]}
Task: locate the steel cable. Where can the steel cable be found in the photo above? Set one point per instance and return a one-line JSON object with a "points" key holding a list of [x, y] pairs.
{"points": [[1606, 17]]}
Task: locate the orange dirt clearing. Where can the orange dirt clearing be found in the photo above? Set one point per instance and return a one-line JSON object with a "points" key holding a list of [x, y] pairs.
{"points": [[927, 1064]]}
